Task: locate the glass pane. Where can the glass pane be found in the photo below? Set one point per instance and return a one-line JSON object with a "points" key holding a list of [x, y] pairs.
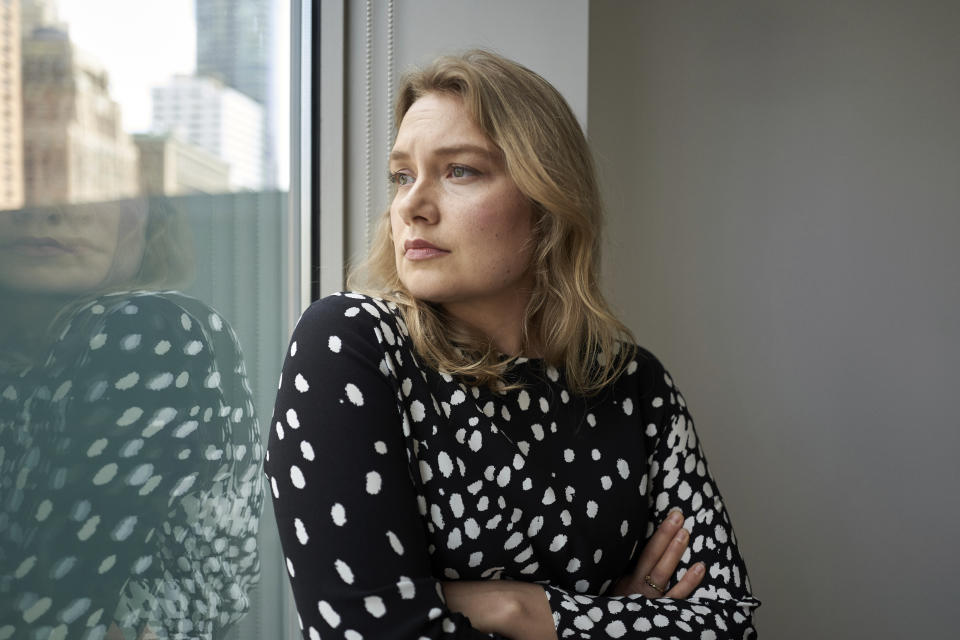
{"points": [[147, 289]]}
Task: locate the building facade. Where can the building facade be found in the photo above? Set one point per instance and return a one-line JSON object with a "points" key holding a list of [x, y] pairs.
{"points": [[234, 45], [11, 107], [39, 13], [171, 167], [222, 121], [75, 149]]}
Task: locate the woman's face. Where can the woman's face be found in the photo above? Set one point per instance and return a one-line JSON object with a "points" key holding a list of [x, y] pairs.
{"points": [[462, 230], [70, 249]]}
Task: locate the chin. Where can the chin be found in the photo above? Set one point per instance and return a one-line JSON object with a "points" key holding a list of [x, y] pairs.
{"points": [[423, 289], [434, 297], [50, 284]]}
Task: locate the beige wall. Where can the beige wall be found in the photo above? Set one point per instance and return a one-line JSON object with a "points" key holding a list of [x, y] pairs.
{"points": [[782, 182]]}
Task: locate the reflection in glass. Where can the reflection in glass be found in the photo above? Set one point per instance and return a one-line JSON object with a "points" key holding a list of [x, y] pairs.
{"points": [[129, 447], [140, 225]]}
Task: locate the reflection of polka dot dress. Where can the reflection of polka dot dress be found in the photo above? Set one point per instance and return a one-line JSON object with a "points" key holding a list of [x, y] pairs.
{"points": [[130, 488], [388, 476]]}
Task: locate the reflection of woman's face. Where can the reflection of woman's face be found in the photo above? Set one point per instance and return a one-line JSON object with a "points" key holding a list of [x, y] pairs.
{"points": [[71, 249]]}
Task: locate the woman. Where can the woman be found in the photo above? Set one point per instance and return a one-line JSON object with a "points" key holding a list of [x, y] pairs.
{"points": [[481, 449], [129, 451]]}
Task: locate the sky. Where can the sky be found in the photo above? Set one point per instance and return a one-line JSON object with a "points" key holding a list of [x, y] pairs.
{"points": [[140, 42]]}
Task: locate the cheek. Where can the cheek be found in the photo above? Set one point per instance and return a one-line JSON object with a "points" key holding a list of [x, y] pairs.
{"points": [[396, 222], [510, 223], [396, 231], [104, 231]]}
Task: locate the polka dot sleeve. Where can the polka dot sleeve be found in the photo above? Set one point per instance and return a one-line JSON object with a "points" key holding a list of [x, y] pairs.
{"points": [[676, 476], [206, 471], [340, 475], [139, 495]]}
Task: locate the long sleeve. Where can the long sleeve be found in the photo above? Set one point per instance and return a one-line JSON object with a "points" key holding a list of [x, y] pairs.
{"points": [[676, 477], [347, 510], [388, 476], [206, 548], [139, 495]]}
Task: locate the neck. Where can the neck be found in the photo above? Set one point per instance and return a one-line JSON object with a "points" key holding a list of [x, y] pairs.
{"points": [[500, 320]]}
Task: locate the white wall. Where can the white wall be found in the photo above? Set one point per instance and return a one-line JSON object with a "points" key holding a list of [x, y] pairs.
{"points": [[783, 187]]}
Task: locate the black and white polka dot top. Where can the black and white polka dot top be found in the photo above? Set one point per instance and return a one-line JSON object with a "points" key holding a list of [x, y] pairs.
{"points": [[130, 479], [388, 477]]}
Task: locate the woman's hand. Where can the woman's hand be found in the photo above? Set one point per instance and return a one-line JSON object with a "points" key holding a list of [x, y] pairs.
{"points": [[518, 610], [658, 564]]}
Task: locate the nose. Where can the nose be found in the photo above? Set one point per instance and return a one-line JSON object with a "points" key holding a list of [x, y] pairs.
{"points": [[417, 203], [53, 216]]}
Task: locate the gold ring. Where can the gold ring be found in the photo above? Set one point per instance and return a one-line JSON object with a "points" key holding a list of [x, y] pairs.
{"points": [[650, 583]]}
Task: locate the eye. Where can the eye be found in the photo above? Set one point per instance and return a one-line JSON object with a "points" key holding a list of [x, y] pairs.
{"points": [[400, 179], [461, 171]]}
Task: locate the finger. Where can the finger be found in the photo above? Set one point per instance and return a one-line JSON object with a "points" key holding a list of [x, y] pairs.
{"points": [[662, 572], [688, 583], [659, 542]]}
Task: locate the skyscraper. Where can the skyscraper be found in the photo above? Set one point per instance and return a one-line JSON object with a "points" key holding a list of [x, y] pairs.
{"points": [[171, 167], [40, 13], [75, 149], [224, 122], [11, 110], [234, 45]]}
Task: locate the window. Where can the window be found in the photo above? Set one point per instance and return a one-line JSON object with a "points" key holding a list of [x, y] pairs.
{"points": [[188, 212]]}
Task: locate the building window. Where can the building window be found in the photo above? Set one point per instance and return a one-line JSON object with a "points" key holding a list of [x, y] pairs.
{"points": [[232, 222]]}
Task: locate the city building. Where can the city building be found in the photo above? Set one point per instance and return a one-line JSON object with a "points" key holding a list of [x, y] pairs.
{"points": [[224, 122], [172, 167], [234, 45], [11, 107], [75, 149], [40, 13]]}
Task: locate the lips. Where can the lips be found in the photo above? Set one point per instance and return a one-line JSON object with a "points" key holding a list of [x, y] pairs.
{"points": [[420, 249], [39, 246]]}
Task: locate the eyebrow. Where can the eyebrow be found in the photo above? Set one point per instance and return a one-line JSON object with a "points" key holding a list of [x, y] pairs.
{"points": [[450, 151]]}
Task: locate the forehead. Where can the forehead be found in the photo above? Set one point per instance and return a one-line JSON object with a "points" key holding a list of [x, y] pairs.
{"points": [[437, 119]]}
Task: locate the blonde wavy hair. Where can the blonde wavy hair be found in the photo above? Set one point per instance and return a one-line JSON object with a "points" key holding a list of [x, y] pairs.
{"points": [[547, 156]]}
